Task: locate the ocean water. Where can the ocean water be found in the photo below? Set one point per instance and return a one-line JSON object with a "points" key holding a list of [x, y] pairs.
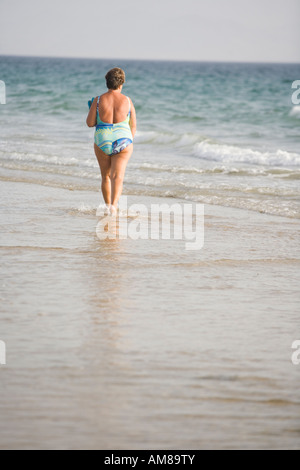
{"points": [[141, 344], [225, 134]]}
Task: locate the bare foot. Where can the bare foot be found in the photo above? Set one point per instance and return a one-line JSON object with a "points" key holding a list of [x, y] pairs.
{"points": [[113, 211]]}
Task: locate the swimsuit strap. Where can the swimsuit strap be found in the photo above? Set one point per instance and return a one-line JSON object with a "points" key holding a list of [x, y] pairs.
{"points": [[98, 105], [129, 105]]}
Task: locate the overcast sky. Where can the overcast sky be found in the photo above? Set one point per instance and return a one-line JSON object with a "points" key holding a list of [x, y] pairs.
{"points": [[208, 30]]}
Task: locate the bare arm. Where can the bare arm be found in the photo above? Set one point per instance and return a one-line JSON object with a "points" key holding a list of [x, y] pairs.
{"points": [[133, 119], [91, 119]]}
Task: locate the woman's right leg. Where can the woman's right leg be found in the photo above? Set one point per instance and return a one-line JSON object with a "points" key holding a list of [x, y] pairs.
{"points": [[105, 168], [118, 167]]}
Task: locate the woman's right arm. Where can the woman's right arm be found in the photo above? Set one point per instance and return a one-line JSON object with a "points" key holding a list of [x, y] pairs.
{"points": [[133, 119], [91, 119]]}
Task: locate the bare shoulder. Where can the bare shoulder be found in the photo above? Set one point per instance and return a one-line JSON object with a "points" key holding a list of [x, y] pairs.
{"points": [[103, 96], [105, 100], [131, 102]]}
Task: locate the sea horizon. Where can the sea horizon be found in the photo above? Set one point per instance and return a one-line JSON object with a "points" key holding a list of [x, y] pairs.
{"points": [[195, 61]]}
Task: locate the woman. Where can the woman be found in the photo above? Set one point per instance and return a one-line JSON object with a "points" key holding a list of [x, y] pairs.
{"points": [[114, 116]]}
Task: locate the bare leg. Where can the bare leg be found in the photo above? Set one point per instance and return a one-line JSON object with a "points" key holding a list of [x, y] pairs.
{"points": [[118, 167], [105, 168]]}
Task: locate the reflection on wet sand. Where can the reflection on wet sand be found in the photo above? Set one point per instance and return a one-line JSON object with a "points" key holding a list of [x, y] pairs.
{"points": [[140, 344]]}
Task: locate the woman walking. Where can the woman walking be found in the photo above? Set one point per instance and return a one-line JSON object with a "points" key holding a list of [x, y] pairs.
{"points": [[114, 116]]}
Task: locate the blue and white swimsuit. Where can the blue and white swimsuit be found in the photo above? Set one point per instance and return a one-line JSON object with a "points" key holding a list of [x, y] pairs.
{"points": [[113, 138]]}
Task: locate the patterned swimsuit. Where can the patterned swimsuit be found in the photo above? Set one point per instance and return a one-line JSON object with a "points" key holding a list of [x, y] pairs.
{"points": [[113, 138]]}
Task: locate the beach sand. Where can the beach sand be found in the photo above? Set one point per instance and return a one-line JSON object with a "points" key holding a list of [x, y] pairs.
{"points": [[123, 344]]}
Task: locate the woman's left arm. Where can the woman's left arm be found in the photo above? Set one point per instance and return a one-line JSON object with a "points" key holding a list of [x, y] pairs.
{"points": [[91, 119], [133, 119]]}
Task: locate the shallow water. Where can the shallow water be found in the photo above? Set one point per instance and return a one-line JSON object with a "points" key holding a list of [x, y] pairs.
{"points": [[141, 344], [234, 142]]}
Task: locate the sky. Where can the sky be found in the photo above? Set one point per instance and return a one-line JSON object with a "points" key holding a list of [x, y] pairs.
{"points": [[194, 30]]}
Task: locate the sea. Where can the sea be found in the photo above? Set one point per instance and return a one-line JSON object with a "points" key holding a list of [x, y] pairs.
{"points": [[214, 133]]}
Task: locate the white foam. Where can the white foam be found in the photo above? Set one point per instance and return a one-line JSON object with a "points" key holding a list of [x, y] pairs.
{"points": [[295, 112], [50, 159], [86, 208], [187, 139], [230, 154], [165, 138], [105, 210], [168, 168], [224, 153]]}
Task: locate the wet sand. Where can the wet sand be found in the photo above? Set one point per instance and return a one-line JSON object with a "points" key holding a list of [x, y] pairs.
{"points": [[123, 344]]}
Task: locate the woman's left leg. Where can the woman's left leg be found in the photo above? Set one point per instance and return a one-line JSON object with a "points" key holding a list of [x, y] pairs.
{"points": [[118, 167], [105, 168]]}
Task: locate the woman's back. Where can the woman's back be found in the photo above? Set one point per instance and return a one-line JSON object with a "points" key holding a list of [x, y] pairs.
{"points": [[113, 107], [114, 118]]}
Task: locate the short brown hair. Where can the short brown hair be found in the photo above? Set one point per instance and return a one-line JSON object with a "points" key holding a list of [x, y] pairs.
{"points": [[115, 78]]}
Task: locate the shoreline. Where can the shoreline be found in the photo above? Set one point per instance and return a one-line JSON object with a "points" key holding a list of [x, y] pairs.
{"points": [[77, 204], [136, 198]]}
